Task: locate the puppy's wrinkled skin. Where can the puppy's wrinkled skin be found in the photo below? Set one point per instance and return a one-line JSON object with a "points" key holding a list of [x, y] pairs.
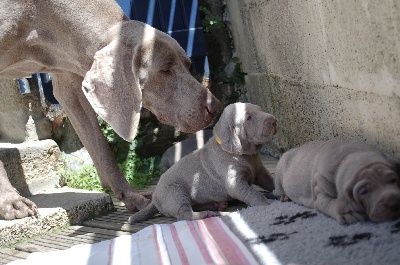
{"points": [[102, 63], [183, 148], [347, 180], [224, 169]]}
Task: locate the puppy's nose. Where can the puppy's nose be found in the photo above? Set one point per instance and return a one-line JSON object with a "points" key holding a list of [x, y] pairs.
{"points": [[392, 202], [395, 208], [272, 123]]}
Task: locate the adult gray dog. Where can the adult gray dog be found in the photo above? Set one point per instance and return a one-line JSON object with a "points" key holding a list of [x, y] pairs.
{"points": [[224, 169], [345, 179], [122, 64]]}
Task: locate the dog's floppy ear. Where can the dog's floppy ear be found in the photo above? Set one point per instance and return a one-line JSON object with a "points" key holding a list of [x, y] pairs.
{"points": [[348, 200], [112, 89], [226, 131]]}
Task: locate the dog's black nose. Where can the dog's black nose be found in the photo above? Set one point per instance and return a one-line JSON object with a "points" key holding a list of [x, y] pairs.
{"points": [[395, 208], [392, 202]]}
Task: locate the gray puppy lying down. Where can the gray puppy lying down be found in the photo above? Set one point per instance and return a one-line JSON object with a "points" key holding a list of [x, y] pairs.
{"points": [[345, 179], [224, 169]]}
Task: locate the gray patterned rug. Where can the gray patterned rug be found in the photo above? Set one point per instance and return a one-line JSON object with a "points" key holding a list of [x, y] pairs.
{"points": [[287, 233]]}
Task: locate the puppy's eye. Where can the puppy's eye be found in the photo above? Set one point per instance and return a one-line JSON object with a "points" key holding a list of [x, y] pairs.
{"points": [[363, 191], [248, 118]]}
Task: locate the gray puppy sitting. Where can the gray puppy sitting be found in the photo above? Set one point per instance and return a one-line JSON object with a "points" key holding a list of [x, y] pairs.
{"points": [[345, 179], [224, 169]]}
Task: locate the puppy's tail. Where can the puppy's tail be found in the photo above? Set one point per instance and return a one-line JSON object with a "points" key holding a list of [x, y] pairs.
{"points": [[144, 214]]}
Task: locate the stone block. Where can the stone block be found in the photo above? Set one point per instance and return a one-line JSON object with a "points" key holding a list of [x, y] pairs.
{"points": [[58, 208], [32, 166]]}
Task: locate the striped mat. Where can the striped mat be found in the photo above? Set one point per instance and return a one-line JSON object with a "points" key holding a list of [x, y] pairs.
{"points": [[206, 241]]}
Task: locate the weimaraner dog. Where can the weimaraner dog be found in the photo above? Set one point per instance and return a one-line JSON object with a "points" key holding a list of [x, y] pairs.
{"points": [[345, 179], [105, 64], [183, 148], [224, 169]]}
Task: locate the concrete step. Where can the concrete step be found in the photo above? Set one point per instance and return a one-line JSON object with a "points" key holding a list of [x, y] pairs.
{"points": [[32, 166], [58, 208]]}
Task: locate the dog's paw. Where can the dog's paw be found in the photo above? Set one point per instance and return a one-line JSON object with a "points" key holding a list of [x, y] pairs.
{"points": [[13, 206], [203, 215], [147, 194], [134, 200], [208, 214], [352, 217], [284, 198], [220, 206]]}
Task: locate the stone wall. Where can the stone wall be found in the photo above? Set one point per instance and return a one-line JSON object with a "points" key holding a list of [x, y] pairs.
{"points": [[21, 116], [324, 68]]}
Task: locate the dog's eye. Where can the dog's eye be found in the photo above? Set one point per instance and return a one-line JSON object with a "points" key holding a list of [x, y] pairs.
{"points": [[167, 71], [364, 191], [248, 118]]}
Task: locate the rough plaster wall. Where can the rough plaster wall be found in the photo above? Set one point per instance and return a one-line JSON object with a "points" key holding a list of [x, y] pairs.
{"points": [[324, 68]]}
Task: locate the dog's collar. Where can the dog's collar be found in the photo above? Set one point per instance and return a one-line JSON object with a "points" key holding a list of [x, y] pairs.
{"points": [[218, 140]]}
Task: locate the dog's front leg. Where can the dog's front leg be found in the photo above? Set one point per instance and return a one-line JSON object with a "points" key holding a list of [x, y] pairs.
{"points": [[67, 89], [264, 179], [13, 205], [238, 188], [342, 210]]}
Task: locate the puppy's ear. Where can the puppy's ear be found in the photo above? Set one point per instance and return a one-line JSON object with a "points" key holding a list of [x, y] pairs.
{"points": [[248, 147], [229, 139], [349, 200]]}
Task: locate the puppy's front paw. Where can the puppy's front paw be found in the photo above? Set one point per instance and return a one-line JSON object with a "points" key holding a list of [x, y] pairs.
{"points": [[352, 217], [208, 214], [203, 215], [284, 198], [220, 206]]}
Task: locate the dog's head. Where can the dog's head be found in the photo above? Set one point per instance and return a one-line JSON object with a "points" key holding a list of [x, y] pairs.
{"points": [[375, 186], [142, 65], [243, 128]]}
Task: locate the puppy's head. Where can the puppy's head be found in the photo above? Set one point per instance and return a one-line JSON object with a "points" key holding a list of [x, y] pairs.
{"points": [[243, 128], [376, 189]]}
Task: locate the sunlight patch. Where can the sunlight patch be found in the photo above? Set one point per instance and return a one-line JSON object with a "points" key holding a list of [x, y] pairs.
{"points": [[264, 253]]}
